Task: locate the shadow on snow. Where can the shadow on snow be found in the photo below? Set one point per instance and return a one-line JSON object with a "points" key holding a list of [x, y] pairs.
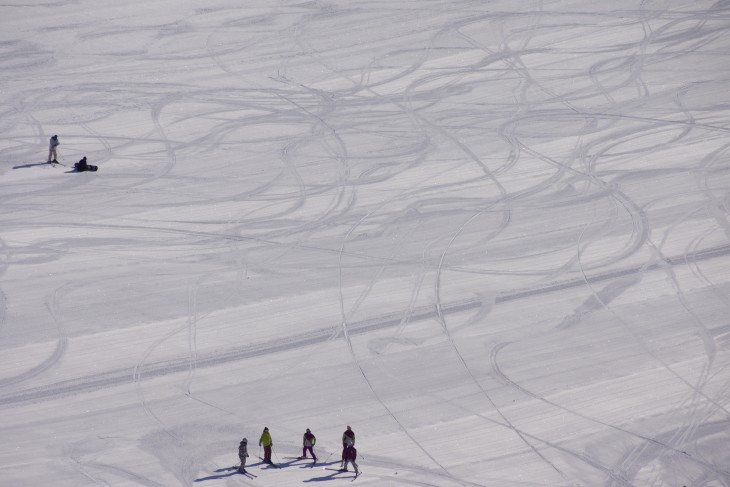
{"points": [[231, 471], [221, 476]]}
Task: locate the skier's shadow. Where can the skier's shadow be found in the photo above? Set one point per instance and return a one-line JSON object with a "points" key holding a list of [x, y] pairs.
{"points": [[24, 166], [222, 476], [332, 476], [232, 471]]}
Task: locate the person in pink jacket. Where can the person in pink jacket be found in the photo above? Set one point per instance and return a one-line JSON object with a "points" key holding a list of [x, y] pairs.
{"points": [[350, 457]]}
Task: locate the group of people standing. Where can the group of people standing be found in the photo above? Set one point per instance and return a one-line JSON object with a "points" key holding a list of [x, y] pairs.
{"points": [[349, 453]]}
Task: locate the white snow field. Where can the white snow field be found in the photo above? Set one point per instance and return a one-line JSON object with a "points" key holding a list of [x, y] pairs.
{"points": [[491, 236]]}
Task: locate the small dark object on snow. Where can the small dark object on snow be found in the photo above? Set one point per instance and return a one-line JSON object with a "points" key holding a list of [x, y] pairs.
{"points": [[82, 166]]}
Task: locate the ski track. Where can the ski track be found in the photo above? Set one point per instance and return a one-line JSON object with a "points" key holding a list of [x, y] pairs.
{"points": [[657, 444], [412, 111], [469, 154], [113, 378]]}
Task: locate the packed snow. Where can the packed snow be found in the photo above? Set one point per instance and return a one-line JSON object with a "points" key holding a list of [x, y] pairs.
{"points": [[491, 236]]}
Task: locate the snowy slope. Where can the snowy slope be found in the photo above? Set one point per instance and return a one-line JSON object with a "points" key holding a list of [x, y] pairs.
{"points": [[492, 236]]}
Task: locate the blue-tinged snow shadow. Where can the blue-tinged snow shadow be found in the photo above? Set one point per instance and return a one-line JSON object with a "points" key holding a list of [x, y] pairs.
{"points": [[222, 476], [24, 166], [232, 471], [333, 476]]}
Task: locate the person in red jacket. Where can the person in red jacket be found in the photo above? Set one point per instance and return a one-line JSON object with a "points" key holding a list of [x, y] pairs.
{"points": [[348, 439], [308, 442], [350, 457]]}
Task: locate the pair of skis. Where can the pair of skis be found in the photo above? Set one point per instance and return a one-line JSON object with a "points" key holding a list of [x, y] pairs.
{"points": [[272, 464], [247, 474]]}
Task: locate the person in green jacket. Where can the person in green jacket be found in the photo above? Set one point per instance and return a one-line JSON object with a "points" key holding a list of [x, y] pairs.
{"points": [[267, 443]]}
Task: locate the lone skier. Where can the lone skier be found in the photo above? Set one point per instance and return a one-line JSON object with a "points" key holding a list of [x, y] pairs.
{"points": [[267, 443], [350, 457], [348, 439], [243, 454], [52, 144], [308, 442]]}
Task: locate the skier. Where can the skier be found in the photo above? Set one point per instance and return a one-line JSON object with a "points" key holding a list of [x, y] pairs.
{"points": [[243, 454], [350, 457], [267, 443], [308, 442], [348, 439], [52, 144]]}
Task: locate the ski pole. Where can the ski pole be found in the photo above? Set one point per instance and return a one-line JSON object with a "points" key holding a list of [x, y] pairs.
{"points": [[328, 457]]}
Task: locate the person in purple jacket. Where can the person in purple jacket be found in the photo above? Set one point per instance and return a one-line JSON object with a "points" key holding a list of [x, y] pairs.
{"points": [[348, 439], [350, 457]]}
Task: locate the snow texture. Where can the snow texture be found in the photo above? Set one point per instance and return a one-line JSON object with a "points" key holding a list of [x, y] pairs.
{"points": [[491, 236]]}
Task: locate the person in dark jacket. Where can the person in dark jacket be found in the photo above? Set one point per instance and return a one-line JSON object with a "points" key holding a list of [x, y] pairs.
{"points": [[81, 166], [243, 454], [348, 439], [308, 442], [350, 457]]}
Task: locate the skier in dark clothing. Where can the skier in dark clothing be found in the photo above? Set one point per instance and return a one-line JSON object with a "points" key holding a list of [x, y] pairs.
{"points": [[350, 457], [308, 442], [81, 166], [348, 439], [243, 454]]}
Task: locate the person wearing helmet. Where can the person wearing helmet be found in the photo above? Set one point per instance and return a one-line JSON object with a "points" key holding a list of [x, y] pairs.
{"points": [[308, 441], [267, 443], [348, 439], [243, 454]]}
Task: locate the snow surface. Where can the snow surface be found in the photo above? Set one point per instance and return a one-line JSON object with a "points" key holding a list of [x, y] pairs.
{"points": [[492, 236]]}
